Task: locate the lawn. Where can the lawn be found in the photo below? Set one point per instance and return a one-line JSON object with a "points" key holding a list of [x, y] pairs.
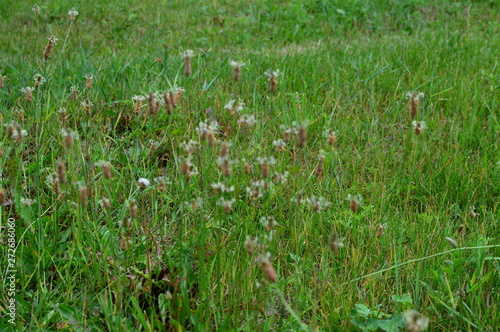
{"points": [[249, 165]]}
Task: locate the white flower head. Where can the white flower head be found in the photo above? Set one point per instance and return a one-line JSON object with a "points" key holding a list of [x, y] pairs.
{"points": [[36, 9], [247, 120], [415, 321], [414, 95], [273, 73], [73, 14], [187, 54], [235, 106], [144, 183], [233, 64]]}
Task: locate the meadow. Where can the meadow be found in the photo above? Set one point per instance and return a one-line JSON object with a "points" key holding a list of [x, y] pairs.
{"points": [[250, 165]]}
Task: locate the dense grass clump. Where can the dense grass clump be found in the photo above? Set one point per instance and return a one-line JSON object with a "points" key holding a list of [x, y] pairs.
{"points": [[255, 166]]}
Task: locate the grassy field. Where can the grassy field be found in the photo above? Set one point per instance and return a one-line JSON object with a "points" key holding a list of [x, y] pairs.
{"points": [[307, 166]]}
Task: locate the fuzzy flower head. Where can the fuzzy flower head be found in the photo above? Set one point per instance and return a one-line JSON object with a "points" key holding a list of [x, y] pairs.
{"points": [[39, 80], [247, 120], [226, 204], [281, 177], [144, 183], [318, 203], [354, 202], [419, 126], [234, 106], [187, 54], [415, 321], [331, 136], [272, 73], [280, 145], [36, 9], [235, 64], [272, 76], [236, 69], [73, 14], [221, 187], [336, 242], [269, 222]]}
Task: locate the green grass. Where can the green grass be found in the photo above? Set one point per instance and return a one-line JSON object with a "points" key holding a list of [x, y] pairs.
{"points": [[346, 67]]}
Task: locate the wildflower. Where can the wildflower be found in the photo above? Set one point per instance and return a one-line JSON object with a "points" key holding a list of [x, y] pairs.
{"points": [[152, 104], [414, 98], [68, 136], [419, 126], [225, 164], [320, 168], [63, 114], [472, 212], [125, 243], [144, 183], [36, 9], [16, 132], [337, 242], [221, 187], [280, 145], [53, 181], [227, 204], [105, 167], [39, 80], [452, 242], [281, 177], [273, 79], [50, 45], [246, 167], [206, 130], [84, 194], [162, 182], [249, 245], [105, 203], [27, 201], [87, 104], [195, 203], [415, 322], [236, 69], [318, 203], [269, 222], [247, 120], [74, 92], [89, 77], [265, 163], [288, 131], [167, 101], [28, 93], [331, 136], [73, 14], [380, 229], [302, 135], [190, 147], [125, 223], [133, 208], [20, 114], [188, 169], [175, 94], [255, 190], [268, 268], [354, 202], [187, 55], [224, 149], [61, 172], [234, 106]]}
